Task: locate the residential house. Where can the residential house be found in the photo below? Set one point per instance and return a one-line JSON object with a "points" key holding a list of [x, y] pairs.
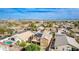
{"points": [[45, 40], [36, 37], [65, 43], [23, 36]]}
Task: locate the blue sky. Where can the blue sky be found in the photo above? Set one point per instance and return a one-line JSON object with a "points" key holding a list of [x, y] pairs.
{"points": [[39, 13]]}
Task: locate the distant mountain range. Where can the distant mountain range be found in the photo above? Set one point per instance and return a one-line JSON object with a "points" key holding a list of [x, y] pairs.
{"points": [[39, 13]]}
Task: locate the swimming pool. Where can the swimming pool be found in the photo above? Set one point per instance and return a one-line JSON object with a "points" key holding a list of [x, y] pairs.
{"points": [[8, 42]]}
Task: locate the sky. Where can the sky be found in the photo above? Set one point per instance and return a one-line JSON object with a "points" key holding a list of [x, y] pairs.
{"points": [[39, 13]]}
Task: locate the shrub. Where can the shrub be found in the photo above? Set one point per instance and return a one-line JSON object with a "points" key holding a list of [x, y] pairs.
{"points": [[22, 43], [32, 47]]}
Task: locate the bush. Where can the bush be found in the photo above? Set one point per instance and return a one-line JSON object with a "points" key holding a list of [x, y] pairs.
{"points": [[21, 44], [32, 47]]}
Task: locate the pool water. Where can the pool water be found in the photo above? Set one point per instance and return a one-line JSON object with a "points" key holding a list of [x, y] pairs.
{"points": [[8, 42]]}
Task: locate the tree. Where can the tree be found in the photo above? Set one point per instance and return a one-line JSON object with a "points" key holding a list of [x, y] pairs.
{"points": [[10, 31], [32, 47], [33, 26], [53, 34], [76, 24], [2, 30], [49, 24], [21, 44], [71, 33]]}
